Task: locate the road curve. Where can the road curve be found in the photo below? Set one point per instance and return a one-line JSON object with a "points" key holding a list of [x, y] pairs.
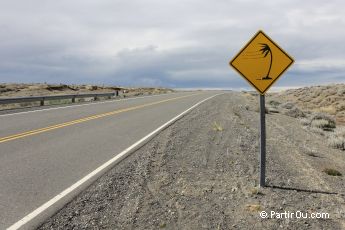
{"points": [[44, 152]]}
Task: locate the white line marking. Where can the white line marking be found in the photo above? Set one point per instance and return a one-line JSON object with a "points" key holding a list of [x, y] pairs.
{"points": [[69, 106], [55, 199]]}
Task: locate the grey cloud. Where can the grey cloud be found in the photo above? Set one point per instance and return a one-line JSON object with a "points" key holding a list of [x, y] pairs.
{"points": [[166, 43]]}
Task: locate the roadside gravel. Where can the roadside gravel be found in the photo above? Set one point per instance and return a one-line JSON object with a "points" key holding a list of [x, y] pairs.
{"points": [[198, 175]]}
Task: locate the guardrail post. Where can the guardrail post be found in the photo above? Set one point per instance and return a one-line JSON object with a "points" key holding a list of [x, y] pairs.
{"points": [[42, 102]]}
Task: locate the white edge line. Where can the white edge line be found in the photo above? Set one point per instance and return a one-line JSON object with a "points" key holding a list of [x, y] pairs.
{"points": [[93, 103], [118, 157]]}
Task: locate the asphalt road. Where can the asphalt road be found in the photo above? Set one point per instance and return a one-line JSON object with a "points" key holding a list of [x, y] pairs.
{"points": [[44, 152]]}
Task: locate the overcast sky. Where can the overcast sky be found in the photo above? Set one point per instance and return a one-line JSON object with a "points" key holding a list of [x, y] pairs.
{"points": [[169, 43]]}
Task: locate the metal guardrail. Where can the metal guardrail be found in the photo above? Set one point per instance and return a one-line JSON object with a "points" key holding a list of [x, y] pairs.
{"points": [[42, 99]]}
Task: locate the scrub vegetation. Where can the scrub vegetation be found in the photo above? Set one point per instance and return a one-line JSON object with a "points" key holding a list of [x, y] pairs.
{"points": [[320, 109]]}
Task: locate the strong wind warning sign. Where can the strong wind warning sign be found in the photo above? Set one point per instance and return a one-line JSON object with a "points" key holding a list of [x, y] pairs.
{"points": [[261, 62]]}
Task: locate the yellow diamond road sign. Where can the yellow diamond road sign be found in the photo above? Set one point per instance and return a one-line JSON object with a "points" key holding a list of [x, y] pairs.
{"points": [[261, 62]]}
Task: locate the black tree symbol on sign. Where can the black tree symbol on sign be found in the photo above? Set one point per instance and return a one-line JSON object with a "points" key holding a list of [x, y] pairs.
{"points": [[265, 49]]}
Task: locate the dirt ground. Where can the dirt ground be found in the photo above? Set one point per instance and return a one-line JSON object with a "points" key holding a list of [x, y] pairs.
{"points": [[200, 175]]}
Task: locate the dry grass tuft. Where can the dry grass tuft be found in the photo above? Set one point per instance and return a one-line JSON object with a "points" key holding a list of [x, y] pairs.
{"points": [[329, 109], [332, 172], [217, 127], [255, 191], [336, 142], [318, 131], [253, 207]]}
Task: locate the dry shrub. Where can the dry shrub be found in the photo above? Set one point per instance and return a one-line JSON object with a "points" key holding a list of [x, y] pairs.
{"points": [[320, 123], [274, 103], [341, 92], [336, 142], [323, 121], [287, 105], [332, 91], [317, 131], [272, 110], [305, 121], [257, 109], [312, 153], [294, 112], [340, 106], [332, 172], [340, 131]]}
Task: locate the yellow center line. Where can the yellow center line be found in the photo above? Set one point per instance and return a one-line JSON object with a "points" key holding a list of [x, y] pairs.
{"points": [[69, 123]]}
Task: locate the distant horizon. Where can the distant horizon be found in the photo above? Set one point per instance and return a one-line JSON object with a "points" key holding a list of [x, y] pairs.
{"points": [[249, 88]]}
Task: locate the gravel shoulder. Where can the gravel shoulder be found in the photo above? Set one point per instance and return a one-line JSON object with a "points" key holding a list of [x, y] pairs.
{"points": [[200, 175]]}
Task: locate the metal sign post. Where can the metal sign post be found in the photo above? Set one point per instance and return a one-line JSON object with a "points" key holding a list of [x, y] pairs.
{"points": [[262, 141]]}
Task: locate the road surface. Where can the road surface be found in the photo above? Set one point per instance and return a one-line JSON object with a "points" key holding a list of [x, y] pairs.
{"points": [[44, 152]]}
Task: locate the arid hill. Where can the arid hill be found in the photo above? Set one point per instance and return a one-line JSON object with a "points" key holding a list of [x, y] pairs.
{"points": [[328, 99]]}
